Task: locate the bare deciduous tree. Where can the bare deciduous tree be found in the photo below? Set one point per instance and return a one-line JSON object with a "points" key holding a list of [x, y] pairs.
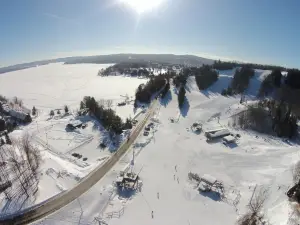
{"points": [[255, 215], [109, 103], [296, 172], [101, 102]]}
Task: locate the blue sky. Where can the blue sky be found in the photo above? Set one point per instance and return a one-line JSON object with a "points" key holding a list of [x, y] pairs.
{"points": [[263, 31]]}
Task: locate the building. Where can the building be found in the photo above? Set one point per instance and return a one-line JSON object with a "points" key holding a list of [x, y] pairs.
{"points": [[228, 139], [213, 134], [20, 114], [74, 124]]}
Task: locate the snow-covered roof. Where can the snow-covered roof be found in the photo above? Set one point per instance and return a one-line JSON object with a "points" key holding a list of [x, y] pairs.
{"points": [[75, 123], [219, 133], [229, 138], [208, 179], [18, 114]]}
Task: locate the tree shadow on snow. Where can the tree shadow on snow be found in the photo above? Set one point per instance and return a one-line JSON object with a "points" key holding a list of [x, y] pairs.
{"points": [[126, 192], [165, 101], [185, 108]]}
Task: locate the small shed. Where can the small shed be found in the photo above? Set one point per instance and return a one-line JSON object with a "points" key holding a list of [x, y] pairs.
{"points": [[228, 139]]}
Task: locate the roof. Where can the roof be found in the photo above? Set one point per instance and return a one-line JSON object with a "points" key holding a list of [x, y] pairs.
{"points": [[75, 123], [130, 176], [18, 114], [223, 132], [229, 138], [208, 179]]}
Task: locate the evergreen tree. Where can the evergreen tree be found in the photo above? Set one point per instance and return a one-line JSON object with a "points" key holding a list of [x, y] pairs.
{"points": [[51, 113], [7, 139], [165, 90], [58, 112], [181, 96], [2, 125], [66, 109], [205, 76], [33, 111], [82, 106]]}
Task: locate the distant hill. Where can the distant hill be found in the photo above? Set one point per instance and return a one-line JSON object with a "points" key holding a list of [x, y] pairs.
{"points": [[189, 60], [154, 58]]}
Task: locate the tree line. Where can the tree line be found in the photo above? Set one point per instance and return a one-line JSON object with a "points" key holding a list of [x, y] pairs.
{"points": [[240, 81], [268, 116], [223, 65], [107, 116], [270, 83], [145, 92], [205, 76]]}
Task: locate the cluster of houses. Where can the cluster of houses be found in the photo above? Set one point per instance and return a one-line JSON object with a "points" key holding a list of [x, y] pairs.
{"points": [[223, 133]]}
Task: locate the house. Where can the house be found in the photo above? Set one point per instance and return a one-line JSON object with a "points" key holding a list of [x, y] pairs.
{"points": [[74, 124], [18, 113], [20, 116]]}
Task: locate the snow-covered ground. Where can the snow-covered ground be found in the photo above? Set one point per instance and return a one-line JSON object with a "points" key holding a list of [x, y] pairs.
{"points": [[172, 150], [55, 85], [51, 87]]}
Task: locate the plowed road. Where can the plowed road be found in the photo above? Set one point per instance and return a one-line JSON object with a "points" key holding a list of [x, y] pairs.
{"points": [[60, 201]]}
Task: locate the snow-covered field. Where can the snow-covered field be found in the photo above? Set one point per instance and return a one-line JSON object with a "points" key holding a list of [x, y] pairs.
{"points": [[55, 85], [172, 150], [51, 87]]}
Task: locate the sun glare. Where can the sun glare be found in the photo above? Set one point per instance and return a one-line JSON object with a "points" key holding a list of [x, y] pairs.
{"points": [[141, 6]]}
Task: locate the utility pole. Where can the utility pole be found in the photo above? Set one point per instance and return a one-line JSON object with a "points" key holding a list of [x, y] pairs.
{"points": [[37, 126], [46, 138]]}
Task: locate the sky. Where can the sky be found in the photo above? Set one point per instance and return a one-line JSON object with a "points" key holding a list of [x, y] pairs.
{"points": [[262, 31]]}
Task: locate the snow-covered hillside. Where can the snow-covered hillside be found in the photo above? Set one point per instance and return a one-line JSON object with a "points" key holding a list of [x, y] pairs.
{"points": [[173, 150]]}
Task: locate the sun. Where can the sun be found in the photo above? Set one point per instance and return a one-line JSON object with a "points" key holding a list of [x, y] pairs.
{"points": [[141, 6]]}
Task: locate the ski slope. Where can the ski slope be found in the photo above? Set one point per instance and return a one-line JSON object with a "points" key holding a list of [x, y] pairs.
{"points": [[173, 150]]}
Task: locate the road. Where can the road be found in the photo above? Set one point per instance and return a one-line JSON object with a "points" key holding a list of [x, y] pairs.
{"points": [[54, 204]]}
